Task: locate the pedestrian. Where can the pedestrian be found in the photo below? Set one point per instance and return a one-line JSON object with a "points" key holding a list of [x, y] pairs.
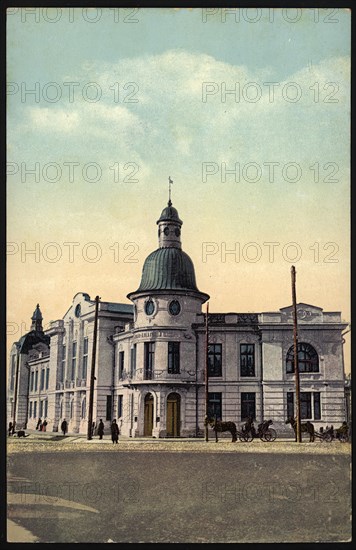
{"points": [[114, 431], [101, 429], [64, 426], [44, 425], [10, 428], [39, 421]]}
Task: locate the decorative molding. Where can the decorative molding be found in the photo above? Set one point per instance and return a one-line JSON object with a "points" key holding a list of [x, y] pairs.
{"points": [[241, 318]]}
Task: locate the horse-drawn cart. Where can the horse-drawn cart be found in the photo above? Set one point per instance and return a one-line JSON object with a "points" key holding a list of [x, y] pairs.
{"points": [[323, 435], [342, 433], [264, 430], [248, 432]]}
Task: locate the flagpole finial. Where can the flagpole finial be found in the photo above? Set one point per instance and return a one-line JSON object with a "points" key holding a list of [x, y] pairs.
{"points": [[169, 190]]}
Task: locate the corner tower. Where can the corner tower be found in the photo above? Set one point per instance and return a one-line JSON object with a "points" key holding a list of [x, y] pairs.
{"points": [[163, 380], [37, 320]]}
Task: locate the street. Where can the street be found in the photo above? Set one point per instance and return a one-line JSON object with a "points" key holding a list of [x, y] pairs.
{"points": [[155, 496]]}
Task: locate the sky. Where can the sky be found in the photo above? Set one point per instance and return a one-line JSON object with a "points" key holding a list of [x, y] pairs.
{"points": [[247, 111]]}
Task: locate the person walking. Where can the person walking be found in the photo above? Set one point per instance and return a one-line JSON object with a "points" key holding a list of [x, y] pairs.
{"points": [[44, 425], [64, 426], [10, 428], [38, 423], [114, 431], [101, 429]]}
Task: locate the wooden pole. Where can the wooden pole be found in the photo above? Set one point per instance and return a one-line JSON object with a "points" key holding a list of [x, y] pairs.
{"points": [[206, 373], [296, 366], [92, 374], [16, 387]]}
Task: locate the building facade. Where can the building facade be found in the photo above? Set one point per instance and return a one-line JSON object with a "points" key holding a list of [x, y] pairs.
{"points": [[151, 358]]}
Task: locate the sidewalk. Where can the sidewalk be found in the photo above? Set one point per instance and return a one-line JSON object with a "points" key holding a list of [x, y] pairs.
{"points": [[57, 442], [34, 435]]}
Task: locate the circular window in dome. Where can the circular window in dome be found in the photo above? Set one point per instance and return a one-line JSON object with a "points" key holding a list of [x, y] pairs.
{"points": [[149, 307], [177, 231], [77, 311], [174, 307], [166, 231]]}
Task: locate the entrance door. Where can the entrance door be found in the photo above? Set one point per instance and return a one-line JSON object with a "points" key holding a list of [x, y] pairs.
{"points": [[173, 415], [148, 420]]}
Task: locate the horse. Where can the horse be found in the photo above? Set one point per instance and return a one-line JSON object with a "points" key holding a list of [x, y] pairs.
{"points": [[305, 427], [220, 426]]}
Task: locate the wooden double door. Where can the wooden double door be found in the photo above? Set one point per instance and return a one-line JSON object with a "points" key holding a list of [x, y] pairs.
{"points": [[173, 415], [172, 418]]}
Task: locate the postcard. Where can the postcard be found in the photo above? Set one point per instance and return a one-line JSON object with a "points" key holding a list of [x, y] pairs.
{"points": [[178, 274]]}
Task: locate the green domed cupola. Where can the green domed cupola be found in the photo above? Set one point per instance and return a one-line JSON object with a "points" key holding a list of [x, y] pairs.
{"points": [[168, 267]]}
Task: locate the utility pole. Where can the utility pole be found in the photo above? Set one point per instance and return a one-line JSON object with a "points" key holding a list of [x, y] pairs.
{"points": [[296, 366], [206, 373], [16, 386], [92, 374]]}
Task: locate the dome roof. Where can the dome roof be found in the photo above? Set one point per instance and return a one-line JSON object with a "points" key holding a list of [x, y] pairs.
{"points": [[168, 269], [169, 214]]}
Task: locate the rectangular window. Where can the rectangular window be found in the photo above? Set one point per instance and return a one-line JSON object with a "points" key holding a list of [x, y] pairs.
{"points": [[74, 361], [41, 409], [85, 367], [214, 360], [317, 409], [47, 378], [108, 407], [248, 405], [30, 412], [62, 365], [290, 404], [35, 409], [42, 379], [173, 358], [149, 360], [247, 359], [36, 380], [85, 359], [62, 368], [121, 363], [215, 405], [305, 406], [45, 410], [12, 377], [133, 360], [120, 399], [32, 380], [85, 346]]}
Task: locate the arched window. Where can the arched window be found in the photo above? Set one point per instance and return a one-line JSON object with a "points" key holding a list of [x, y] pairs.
{"points": [[308, 360], [71, 408], [84, 407]]}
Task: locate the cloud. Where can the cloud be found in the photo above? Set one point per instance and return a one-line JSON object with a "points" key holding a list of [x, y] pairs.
{"points": [[53, 120], [153, 107]]}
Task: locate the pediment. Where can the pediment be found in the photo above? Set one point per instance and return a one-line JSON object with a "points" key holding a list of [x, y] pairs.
{"points": [[307, 313]]}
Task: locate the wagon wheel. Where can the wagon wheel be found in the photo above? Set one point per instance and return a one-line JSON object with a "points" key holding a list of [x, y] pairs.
{"points": [[327, 437], [344, 438], [246, 437], [270, 434]]}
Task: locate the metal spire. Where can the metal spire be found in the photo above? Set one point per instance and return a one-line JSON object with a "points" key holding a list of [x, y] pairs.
{"points": [[169, 190]]}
